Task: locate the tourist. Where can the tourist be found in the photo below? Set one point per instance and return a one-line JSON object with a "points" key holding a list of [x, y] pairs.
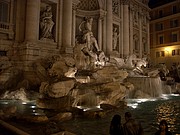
{"points": [[131, 126], [115, 126], [163, 128]]}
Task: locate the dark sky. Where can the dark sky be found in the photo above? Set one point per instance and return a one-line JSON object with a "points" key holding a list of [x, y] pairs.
{"points": [[155, 3]]}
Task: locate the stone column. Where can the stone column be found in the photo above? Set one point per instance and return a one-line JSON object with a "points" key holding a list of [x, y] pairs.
{"points": [[67, 26], [109, 27], [104, 35], [122, 34], [125, 28], [74, 4], [32, 20], [100, 33], [11, 35], [60, 7], [148, 35], [140, 34], [131, 31], [74, 28]]}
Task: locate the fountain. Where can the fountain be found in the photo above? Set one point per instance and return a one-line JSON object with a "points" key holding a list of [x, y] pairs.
{"points": [[68, 90], [86, 82]]}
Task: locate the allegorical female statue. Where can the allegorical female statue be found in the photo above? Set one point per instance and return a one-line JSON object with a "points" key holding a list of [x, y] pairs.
{"points": [[46, 23]]}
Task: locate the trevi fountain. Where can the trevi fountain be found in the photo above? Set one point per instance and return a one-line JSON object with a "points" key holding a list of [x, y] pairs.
{"points": [[79, 94]]}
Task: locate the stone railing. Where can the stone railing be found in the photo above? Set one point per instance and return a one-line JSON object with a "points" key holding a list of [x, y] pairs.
{"points": [[7, 28]]}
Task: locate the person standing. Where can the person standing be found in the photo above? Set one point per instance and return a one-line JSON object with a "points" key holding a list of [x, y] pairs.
{"points": [[115, 126], [163, 128], [131, 126]]}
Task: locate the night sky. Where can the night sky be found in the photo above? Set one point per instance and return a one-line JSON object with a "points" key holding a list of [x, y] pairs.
{"points": [[155, 3]]}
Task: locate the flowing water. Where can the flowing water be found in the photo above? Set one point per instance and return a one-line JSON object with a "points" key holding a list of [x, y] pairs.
{"points": [[148, 111]]}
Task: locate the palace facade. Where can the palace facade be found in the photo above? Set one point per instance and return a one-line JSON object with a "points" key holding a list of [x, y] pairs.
{"points": [[34, 29], [165, 33]]}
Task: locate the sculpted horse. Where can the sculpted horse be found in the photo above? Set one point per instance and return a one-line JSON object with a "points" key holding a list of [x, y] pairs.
{"points": [[139, 64]]}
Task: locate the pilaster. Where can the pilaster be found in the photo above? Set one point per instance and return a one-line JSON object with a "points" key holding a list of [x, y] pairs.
{"points": [[67, 26], [109, 27], [126, 30], [32, 17]]}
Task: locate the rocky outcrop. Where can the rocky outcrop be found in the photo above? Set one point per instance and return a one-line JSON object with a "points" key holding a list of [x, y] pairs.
{"points": [[87, 88], [10, 76]]}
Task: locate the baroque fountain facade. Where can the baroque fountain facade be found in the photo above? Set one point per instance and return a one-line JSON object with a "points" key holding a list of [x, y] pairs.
{"points": [[53, 38], [76, 54]]}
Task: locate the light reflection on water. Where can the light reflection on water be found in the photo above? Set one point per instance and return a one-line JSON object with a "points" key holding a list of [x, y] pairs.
{"points": [[28, 108], [170, 112], [148, 111]]}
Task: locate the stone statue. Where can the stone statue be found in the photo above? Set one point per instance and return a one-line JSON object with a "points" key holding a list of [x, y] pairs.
{"points": [[88, 36], [115, 38], [46, 23], [139, 64], [91, 48]]}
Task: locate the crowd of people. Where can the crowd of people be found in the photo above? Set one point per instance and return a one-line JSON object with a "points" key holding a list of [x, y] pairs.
{"points": [[133, 127]]}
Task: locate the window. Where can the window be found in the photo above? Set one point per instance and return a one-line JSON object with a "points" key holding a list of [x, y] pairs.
{"points": [[174, 37], [173, 52], [4, 11], [159, 26], [160, 54], [174, 23], [160, 13], [176, 52], [161, 39], [3, 53], [174, 9], [157, 54]]}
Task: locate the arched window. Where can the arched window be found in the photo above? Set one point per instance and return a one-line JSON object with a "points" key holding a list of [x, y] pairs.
{"points": [[6, 18], [4, 11]]}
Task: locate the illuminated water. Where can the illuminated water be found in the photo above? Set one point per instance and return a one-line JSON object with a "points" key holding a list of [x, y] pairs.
{"points": [[148, 111], [152, 111]]}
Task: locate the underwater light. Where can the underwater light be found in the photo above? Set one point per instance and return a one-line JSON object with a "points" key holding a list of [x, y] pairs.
{"points": [[89, 108], [32, 106], [145, 100], [133, 105], [4, 103], [135, 102], [24, 103], [164, 96], [142, 100], [176, 95], [36, 113]]}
